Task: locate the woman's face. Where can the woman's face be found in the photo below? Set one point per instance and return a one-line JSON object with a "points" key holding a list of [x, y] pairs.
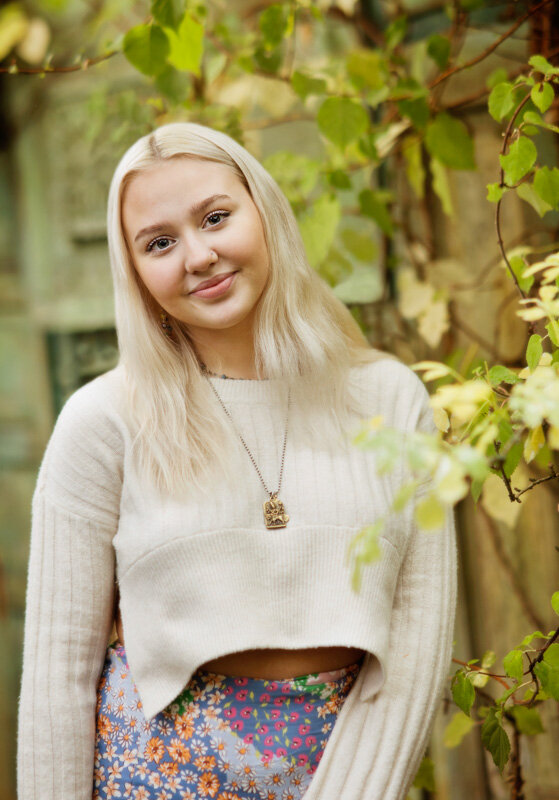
{"points": [[186, 222]]}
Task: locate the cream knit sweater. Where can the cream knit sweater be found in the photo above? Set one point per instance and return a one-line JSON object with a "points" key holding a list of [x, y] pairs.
{"points": [[198, 581]]}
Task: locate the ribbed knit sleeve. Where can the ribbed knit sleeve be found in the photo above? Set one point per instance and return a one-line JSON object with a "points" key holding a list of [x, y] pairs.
{"points": [[377, 744], [69, 603]]}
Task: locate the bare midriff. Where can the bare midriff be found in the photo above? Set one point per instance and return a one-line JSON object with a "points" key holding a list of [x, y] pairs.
{"points": [[276, 664]]}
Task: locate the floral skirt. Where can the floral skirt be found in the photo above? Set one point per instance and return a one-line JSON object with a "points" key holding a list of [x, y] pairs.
{"points": [[223, 738]]}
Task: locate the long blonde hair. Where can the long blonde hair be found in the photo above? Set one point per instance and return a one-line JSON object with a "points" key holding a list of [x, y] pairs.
{"points": [[303, 333]]}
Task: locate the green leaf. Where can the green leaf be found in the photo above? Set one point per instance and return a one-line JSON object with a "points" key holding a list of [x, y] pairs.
{"points": [[342, 120], [304, 85], [274, 23], [372, 205], [296, 174], [527, 192], [438, 48], [447, 139], [542, 95], [541, 64], [415, 172], [404, 495], [430, 513], [519, 267], [168, 13], [267, 60], [173, 84], [425, 777], [440, 185], [548, 671], [395, 32], [318, 228], [499, 374], [364, 285], [512, 459], [146, 48], [416, 110], [501, 100], [513, 664], [498, 75], [553, 330], [527, 720], [340, 179], [551, 655], [463, 693], [534, 351], [367, 69], [494, 192], [457, 728], [187, 45], [494, 738], [555, 602], [519, 160], [360, 245], [546, 184], [476, 488], [531, 636]]}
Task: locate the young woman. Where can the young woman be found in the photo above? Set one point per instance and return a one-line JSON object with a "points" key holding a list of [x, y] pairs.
{"points": [[208, 487]]}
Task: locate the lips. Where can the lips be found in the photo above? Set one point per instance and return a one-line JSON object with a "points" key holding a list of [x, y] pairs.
{"points": [[212, 281]]}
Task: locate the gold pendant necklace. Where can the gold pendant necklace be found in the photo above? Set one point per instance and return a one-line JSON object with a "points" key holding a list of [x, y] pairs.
{"points": [[274, 510]]}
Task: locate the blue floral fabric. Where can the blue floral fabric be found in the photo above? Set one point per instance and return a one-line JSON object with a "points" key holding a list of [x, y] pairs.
{"points": [[223, 738]]}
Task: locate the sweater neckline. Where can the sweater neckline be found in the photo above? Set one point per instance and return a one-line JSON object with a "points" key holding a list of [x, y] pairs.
{"points": [[267, 390]]}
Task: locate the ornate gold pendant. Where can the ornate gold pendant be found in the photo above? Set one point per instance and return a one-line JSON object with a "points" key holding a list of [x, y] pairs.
{"points": [[274, 512]]}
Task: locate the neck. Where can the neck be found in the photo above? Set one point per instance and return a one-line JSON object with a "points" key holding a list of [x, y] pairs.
{"points": [[224, 354]]}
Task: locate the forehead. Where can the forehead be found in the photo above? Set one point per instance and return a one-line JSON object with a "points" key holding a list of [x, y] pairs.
{"points": [[175, 185]]}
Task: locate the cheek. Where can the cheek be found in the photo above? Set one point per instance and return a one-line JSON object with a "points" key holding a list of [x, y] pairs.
{"points": [[160, 280]]}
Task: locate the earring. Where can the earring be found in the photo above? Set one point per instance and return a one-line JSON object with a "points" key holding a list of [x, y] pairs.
{"points": [[167, 328], [213, 256]]}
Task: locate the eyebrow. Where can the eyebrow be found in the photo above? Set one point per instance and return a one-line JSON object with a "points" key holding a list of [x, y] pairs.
{"points": [[197, 208]]}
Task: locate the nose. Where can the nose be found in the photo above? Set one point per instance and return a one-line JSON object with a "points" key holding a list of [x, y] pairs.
{"points": [[198, 255]]}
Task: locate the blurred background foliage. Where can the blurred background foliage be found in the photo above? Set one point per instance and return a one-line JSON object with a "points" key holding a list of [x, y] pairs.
{"points": [[384, 123]]}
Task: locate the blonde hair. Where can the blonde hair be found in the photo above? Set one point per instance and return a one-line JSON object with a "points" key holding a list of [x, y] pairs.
{"points": [[303, 333]]}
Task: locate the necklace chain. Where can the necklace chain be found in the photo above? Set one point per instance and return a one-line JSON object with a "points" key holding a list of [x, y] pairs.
{"points": [[270, 493]]}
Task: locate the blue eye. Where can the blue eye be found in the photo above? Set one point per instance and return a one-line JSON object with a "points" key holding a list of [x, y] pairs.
{"points": [[218, 215], [154, 244]]}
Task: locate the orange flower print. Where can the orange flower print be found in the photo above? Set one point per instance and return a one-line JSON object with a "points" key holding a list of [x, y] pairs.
{"points": [[169, 768], [227, 796], [155, 750], [208, 785], [104, 726], [205, 762], [184, 726], [178, 751]]}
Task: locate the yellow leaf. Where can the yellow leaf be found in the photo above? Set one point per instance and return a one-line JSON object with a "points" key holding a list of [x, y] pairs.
{"points": [[433, 322], [374, 423], [533, 443], [496, 501], [33, 47], [441, 419], [430, 513], [449, 481], [547, 293], [531, 314], [413, 296], [13, 27], [553, 437]]}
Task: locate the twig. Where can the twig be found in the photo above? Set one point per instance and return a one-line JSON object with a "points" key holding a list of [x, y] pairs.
{"points": [[535, 482], [481, 671], [498, 208], [490, 49], [16, 69]]}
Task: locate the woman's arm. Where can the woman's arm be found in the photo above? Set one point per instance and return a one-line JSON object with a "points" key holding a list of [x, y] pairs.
{"points": [[69, 603], [377, 744]]}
